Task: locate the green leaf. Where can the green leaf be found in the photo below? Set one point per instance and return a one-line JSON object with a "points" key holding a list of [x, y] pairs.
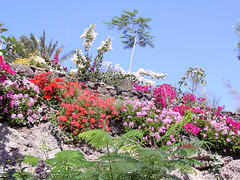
{"points": [[97, 138], [33, 161]]}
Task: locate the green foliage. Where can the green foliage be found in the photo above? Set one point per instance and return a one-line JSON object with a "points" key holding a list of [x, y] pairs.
{"points": [[141, 163], [135, 30], [193, 77], [12, 48], [93, 139], [237, 30], [2, 29], [33, 161], [65, 164]]}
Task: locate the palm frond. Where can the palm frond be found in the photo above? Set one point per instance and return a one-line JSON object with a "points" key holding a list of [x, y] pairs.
{"points": [[66, 56]]}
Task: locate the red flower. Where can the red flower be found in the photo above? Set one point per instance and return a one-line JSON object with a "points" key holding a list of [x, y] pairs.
{"points": [[47, 96], [92, 120], [63, 118]]}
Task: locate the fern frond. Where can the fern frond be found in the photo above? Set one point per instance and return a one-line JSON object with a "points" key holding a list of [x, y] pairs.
{"points": [[149, 152], [97, 138], [133, 134], [33, 161], [67, 157]]}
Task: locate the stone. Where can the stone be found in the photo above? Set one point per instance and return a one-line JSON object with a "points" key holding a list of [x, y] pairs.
{"points": [[102, 90], [113, 92], [91, 85], [23, 70], [137, 93]]}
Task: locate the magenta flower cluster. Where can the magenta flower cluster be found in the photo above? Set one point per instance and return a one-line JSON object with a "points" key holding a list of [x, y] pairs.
{"points": [[164, 94], [141, 88], [191, 128], [5, 69], [188, 98], [154, 122]]}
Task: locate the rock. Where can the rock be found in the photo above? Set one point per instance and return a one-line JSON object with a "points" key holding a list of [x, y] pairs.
{"points": [[138, 94], [148, 96], [23, 70], [113, 92], [102, 90], [231, 170], [110, 88], [91, 85]]}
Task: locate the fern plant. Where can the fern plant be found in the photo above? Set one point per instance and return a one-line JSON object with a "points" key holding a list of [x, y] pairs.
{"points": [[126, 158], [137, 162]]}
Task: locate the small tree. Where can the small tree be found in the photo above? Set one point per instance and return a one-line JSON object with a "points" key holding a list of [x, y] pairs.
{"points": [[192, 78], [237, 30], [134, 31]]}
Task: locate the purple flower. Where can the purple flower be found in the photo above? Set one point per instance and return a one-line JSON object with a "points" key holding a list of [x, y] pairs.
{"points": [[169, 143], [204, 135], [40, 110], [13, 116], [139, 114], [29, 111], [30, 119], [42, 169], [20, 116], [17, 103], [34, 116], [228, 140], [131, 124], [5, 110], [149, 120]]}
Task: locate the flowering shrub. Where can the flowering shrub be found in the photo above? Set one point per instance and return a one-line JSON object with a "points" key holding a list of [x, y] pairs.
{"points": [[164, 94], [88, 70], [42, 170], [51, 88], [84, 110], [152, 121], [191, 128], [5, 70], [8, 162], [141, 88], [116, 72], [219, 129], [210, 125], [19, 103]]}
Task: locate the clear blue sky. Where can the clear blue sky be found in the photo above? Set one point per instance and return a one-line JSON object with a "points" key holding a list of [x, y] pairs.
{"points": [[188, 33]]}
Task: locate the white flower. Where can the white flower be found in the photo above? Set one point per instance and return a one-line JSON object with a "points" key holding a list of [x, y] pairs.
{"points": [[80, 66], [40, 60], [107, 64], [74, 59], [141, 70], [73, 71], [106, 45]]}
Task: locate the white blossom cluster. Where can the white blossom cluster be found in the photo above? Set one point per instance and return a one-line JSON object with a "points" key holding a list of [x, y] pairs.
{"points": [[139, 74], [40, 60], [106, 45], [79, 59], [89, 36], [73, 71], [153, 75]]}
